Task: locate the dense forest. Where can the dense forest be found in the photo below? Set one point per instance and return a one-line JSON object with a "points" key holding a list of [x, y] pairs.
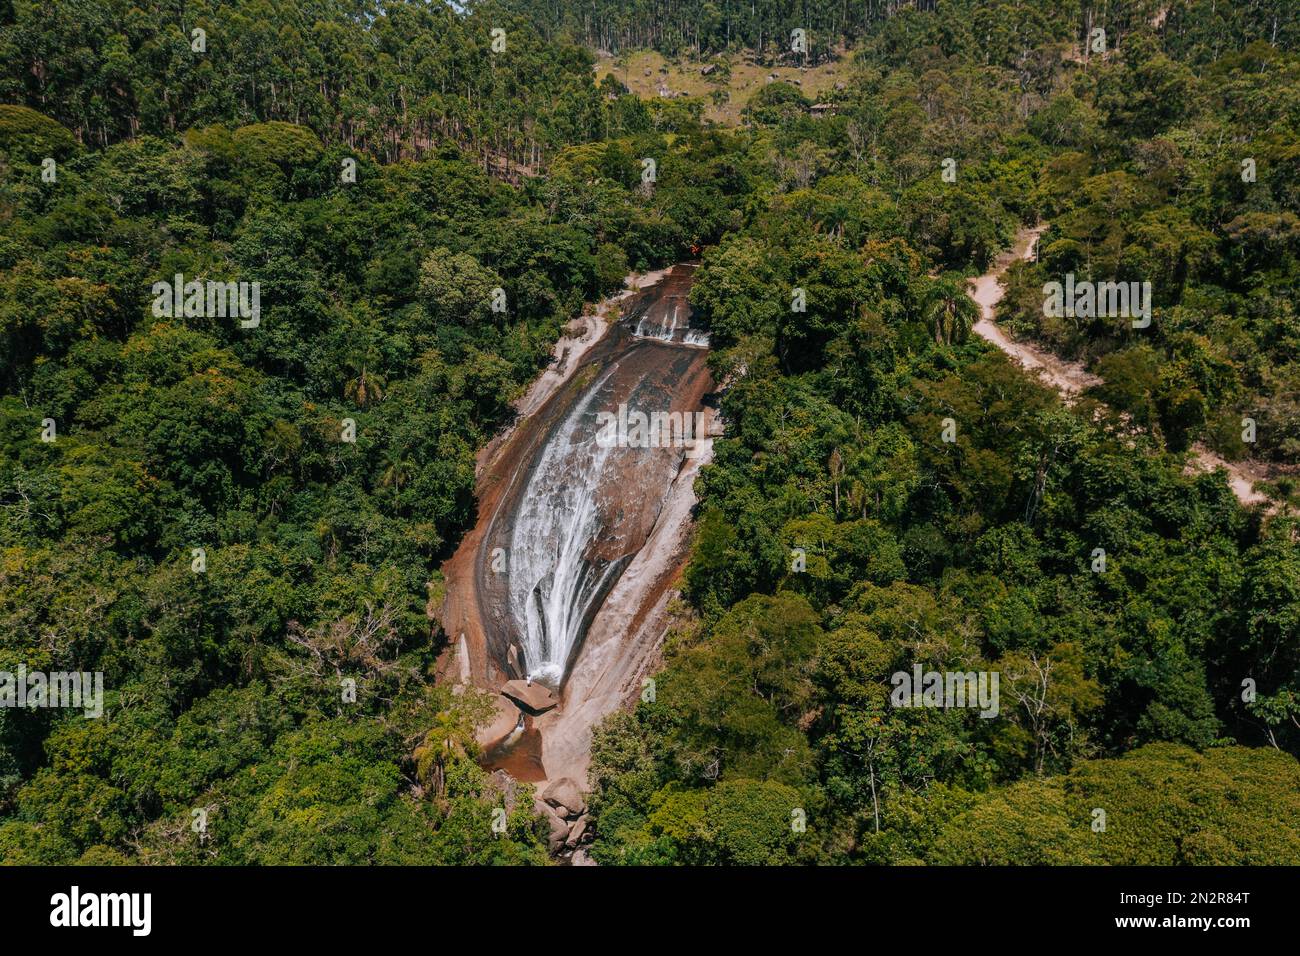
{"points": [[232, 522], [182, 433], [390, 80], [1008, 33]]}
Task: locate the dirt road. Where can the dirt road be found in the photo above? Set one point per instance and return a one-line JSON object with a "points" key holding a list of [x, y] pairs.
{"points": [[1070, 379]]}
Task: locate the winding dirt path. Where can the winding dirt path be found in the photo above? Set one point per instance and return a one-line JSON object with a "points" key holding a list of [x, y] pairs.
{"points": [[1071, 379], [1242, 475], [1068, 378]]}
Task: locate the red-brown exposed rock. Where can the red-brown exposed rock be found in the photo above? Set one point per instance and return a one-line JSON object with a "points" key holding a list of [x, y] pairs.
{"points": [[536, 698]]}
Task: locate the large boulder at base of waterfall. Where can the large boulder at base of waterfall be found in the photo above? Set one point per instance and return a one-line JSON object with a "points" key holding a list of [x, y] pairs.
{"points": [[582, 858], [535, 697], [504, 719], [559, 831], [565, 793]]}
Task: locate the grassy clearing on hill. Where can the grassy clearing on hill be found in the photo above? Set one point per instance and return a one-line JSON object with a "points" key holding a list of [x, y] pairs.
{"points": [[647, 73]]}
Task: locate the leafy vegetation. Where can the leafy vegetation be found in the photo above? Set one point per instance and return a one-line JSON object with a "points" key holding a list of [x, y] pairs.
{"points": [[842, 540], [226, 689]]}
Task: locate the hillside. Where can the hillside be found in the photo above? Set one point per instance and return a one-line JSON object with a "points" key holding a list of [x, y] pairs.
{"points": [[313, 319], [726, 90]]}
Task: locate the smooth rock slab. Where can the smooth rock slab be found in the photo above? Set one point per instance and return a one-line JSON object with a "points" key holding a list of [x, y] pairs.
{"points": [[535, 697]]}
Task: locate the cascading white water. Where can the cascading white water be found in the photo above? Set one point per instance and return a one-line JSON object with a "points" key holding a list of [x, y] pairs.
{"points": [[648, 328], [552, 583], [670, 329]]}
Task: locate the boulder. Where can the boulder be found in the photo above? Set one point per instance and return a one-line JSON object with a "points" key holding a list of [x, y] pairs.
{"points": [[565, 793], [533, 697], [582, 858], [577, 831], [504, 720], [559, 832]]}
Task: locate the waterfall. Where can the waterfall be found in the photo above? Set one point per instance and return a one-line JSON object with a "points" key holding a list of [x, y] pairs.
{"points": [[554, 583], [584, 507], [567, 576], [667, 323]]}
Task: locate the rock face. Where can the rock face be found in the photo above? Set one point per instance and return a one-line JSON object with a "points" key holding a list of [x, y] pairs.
{"points": [[502, 725], [535, 698], [565, 795], [641, 349]]}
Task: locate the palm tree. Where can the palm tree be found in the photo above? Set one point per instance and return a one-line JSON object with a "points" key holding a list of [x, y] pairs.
{"points": [[397, 468], [837, 472], [443, 744], [949, 310], [362, 359], [365, 388]]}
